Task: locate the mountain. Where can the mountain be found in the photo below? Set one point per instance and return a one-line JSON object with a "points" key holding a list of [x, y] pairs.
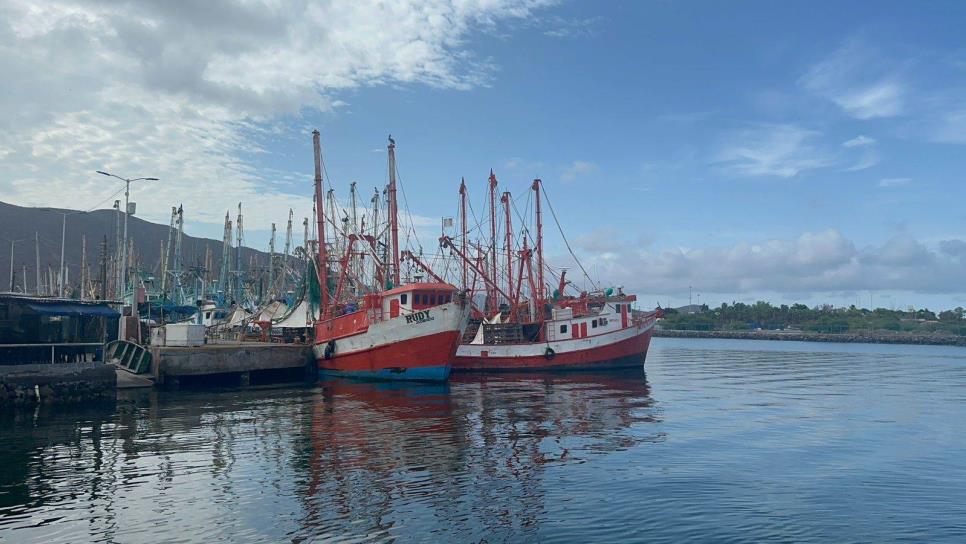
{"points": [[21, 224]]}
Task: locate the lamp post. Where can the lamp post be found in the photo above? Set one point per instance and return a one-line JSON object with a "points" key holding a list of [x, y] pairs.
{"points": [[127, 194]]}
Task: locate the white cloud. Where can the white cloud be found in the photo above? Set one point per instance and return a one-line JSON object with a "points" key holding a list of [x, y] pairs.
{"points": [[868, 159], [524, 166], [773, 150], [813, 262], [894, 182], [948, 124], [559, 27], [856, 80], [578, 169], [185, 94], [859, 141]]}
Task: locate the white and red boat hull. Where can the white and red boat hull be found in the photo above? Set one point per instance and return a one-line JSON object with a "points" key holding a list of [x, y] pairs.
{"points": [[398, 348], [623, 348]]}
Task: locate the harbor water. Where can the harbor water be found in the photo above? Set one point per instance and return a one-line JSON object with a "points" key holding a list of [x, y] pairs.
{"points": [[718, 441]]}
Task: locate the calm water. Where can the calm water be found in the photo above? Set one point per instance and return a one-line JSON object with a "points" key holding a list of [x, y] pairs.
{"points": [[722, 440]]}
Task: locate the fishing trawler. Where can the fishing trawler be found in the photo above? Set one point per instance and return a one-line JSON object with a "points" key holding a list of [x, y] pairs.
{"points": [[373, 327], [518, 327]]}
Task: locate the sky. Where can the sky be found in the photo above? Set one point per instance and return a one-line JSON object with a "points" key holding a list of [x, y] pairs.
{"points": [[785, 151]]}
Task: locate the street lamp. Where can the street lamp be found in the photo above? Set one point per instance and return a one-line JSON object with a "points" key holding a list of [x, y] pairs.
{"points": [[127, 193]]}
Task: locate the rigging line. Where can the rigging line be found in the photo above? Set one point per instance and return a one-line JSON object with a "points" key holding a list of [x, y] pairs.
{"points": [[95, 206], [409, 213], [566, 243]]}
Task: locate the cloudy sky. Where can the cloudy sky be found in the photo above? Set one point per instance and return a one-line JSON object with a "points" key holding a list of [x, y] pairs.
{"points": [[793, 151]]}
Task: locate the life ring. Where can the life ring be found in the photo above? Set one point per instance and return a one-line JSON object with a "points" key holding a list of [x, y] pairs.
{"points": [[329, 350], [549, 353]]}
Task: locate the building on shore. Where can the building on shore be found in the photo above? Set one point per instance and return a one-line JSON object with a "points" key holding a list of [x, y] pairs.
{"points": [[46, 330]]}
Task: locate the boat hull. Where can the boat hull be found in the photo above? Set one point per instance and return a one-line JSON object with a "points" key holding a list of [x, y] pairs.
{"points": [[626, 348], [395, 349]]}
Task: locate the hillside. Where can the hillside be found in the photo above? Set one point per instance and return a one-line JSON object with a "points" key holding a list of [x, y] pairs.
{"points": [[20, 224]]}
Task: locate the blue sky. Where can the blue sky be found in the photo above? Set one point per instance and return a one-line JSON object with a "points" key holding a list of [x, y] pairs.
{"points": [[782, 150]]}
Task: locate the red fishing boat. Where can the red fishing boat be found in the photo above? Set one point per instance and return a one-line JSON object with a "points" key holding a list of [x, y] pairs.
{"points": [[374, 328], [518, 327]]}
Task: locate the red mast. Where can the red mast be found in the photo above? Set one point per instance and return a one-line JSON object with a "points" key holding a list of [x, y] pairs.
{"points": [[540, 295], [393, 212], [322, 264], [508, 226], [494, 303], [463, 228]]}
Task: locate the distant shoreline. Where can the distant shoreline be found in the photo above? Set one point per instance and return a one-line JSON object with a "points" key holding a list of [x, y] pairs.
{"points": [[804, 336]]}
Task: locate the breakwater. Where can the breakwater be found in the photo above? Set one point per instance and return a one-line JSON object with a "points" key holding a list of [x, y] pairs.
{"points": [[864, 337]]}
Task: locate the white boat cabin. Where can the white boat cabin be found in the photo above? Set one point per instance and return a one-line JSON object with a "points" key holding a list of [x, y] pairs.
{"points": [[614, 316], [415, 297]]}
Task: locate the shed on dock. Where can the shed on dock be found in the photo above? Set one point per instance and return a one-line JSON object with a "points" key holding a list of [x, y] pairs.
{"points": [[46, 329]]}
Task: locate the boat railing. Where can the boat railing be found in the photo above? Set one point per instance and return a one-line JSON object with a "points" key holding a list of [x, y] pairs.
{"points": [[53, 353]]}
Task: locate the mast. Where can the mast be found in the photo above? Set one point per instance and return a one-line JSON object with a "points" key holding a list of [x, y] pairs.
{"points": [[288, 238], [83, 281], [37, 246], [271, 263], [378, 271], [354, 217], [463, 229], [63, 242], [104, 268], [493, 302], [117, 248], [165, 259], [305, 236], [209, 267], [12, 286], [178, 256], [540, 288], [239, 240], [375, 212], [223, 276], [393, 212], [354, 261], [323, 261], [508, 226]]}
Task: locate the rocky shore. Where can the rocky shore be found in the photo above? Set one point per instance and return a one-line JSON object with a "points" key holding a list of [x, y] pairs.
{"points": [[804, 336]]}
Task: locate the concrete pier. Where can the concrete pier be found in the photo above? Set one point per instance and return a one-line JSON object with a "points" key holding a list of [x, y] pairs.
{"points": [[50, 383], [173, 364]]}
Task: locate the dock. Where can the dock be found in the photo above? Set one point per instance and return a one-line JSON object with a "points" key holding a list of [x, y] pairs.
{"points": [[172, 365]]}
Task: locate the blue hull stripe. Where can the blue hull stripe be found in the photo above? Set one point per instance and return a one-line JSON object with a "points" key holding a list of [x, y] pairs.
{"points": [[420, 374]]}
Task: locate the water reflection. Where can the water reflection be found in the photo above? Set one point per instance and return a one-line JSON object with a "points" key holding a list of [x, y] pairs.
{"points": [[719, 442], [397, 458]]}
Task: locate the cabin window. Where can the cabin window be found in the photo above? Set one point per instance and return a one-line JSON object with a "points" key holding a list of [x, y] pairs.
{"points": [[425, 299], [563, 328], [207, 315], [593, 324], [432, 299], [447, 299], [403, 298], [603, 321]]}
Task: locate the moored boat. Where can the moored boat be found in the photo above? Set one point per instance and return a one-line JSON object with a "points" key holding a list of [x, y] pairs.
{"points": [[518, 327], [381, 329], [610, 336]]}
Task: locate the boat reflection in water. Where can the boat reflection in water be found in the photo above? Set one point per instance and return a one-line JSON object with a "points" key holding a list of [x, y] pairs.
{"points": [[496, 457], [470, 459]]}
